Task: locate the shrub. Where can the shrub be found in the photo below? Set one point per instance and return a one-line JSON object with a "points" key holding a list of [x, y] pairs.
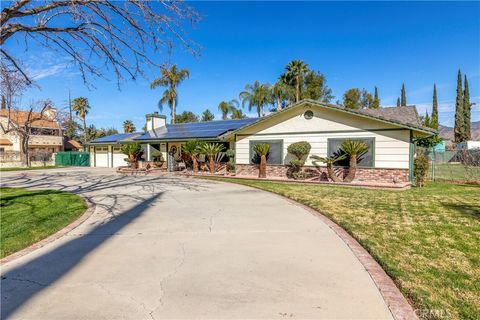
{"points": [[132, 150], [230, 153], [158, 159], [262, 150], [354, 149], [300, 150], [420, 170]]}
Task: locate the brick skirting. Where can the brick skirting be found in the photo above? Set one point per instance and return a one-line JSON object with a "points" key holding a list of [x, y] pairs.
{"points": [[362, 174]]}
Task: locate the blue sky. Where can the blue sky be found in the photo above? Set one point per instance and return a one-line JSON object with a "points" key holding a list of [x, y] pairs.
{"points": [[354, 44]]}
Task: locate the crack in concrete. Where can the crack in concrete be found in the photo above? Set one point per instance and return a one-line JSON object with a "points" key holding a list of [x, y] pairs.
{"points": [[212, 220], [168, 276], [26, 280]]}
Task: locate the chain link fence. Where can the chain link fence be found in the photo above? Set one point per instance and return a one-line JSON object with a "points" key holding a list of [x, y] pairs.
{"points": [[460, 166]]}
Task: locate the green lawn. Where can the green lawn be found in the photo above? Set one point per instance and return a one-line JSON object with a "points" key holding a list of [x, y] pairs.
{"points": [[28, 216], [427, 240], [30, 168]]}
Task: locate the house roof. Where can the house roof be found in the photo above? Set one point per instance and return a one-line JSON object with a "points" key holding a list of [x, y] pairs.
{"points": [[120, 137], [20, 117], [406, 117], [195, 130], [72, 144]]}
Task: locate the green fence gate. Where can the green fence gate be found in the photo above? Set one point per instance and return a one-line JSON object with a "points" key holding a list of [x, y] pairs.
{"points": [[72, 158]]}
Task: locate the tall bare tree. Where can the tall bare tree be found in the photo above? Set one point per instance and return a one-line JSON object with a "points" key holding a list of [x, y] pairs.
{"points": [[95, 33]]}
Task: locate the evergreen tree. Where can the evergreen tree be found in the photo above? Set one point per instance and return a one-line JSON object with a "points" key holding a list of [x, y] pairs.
{"points": [[376, 100], [459, 114], [398, 102], [403, 102], [207, 115], [352, 98], [434, 120], [427, 121], [467, 135]]}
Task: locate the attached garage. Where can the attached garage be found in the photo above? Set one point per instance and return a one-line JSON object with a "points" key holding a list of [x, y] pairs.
{"points": [[118, 158], [101, 156]]}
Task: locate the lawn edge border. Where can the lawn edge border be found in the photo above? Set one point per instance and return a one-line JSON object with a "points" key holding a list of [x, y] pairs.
{"points": [[57, 235], [396, 302]]}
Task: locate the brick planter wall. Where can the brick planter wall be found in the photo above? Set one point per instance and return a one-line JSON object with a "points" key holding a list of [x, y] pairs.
{"points": [[362, 174]]}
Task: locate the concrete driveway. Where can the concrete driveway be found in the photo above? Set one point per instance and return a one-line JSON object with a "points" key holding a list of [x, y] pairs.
{"points": [[161, 247]]}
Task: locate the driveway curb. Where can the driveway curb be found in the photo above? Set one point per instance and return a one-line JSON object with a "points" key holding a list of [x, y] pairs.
{"points": [[57, 235], [398, 305]]}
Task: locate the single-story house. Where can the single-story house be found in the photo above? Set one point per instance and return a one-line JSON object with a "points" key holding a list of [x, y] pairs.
{"points": [[389, 133]]}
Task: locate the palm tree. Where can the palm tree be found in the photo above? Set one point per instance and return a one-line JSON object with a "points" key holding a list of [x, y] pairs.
{"points": [[81, 107], [128, 126], [132, 150], [170, 78], [211, 150], [262, 150], [227, 107], [297, 69], [354, 149], [280, 92], [329, 161], [192, 149], [257, 95]]}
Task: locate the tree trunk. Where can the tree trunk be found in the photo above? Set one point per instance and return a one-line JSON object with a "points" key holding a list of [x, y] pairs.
{"points": [[331, 173], [279, 104], [297, 90], [24, 152], [262, 168], [352, 169], [195, 165], [258, 111], [211, 164], [263, 111], [172, 112], [84, 131]]}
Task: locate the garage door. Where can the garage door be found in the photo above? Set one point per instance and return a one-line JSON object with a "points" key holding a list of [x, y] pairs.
{"points": [[101, 157], [118, 157]]}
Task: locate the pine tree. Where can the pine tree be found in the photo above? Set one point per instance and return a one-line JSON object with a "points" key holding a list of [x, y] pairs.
{"points": [[376, 101], [434, 120], [427, 121], [459, 114], [404, 96], [467, 135], [398, 102]]}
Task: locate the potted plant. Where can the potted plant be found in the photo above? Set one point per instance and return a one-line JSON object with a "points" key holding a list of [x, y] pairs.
{"points": [[158, 159], [132, 150], [262, 150], [211, 150]]}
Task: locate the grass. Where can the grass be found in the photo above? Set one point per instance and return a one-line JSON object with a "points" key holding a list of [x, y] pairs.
{"points": [[30, 168], [426, 239], [28, 216]]}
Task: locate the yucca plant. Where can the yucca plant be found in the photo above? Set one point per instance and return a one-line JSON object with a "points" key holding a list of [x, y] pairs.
{"points": [[329, 161], [132, 150], [211, 150], [192, 149], [354, 149], [262, 150]]}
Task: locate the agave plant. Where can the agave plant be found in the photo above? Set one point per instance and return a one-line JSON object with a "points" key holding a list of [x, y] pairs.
{"points": [[262, 150], [354, 149], [329, 161], [132, 150], [192, 149], [211, 150]]}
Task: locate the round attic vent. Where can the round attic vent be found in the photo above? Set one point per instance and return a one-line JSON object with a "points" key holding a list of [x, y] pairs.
{"points": [[308, 114]]}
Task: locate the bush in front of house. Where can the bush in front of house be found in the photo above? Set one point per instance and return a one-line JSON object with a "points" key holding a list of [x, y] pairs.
{"points": [[230, 153], [420, 170], [300, 150], [132, 150], [193, 149], [211, 150], [262, 150], [330, 161], [354, 149], [158, 159]]}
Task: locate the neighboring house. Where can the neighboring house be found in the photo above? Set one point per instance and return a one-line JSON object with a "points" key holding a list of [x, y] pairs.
{"points": [[388, 131], [46, 136], [71, 145]]}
